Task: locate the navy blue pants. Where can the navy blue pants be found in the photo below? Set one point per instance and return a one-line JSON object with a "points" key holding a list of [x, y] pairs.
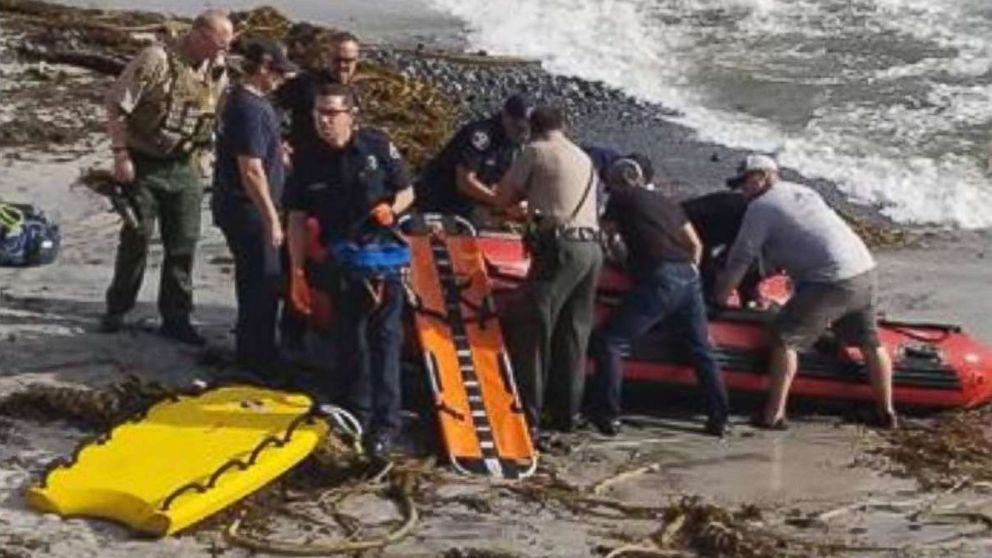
{"points": [[258, 285], [673, 290], [371, 338]]}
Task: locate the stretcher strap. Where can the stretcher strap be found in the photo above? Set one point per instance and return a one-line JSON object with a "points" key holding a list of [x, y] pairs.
{"points": [[463, 350]]}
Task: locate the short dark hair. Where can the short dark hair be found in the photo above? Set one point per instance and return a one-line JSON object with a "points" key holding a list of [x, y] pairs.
{"points": [[546, 119], [344, 37], [332, 89]]}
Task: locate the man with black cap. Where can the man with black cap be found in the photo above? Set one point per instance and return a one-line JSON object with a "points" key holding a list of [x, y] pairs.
{"points": [[248, 184], [462, 177], [833, 273], [664, 254]]}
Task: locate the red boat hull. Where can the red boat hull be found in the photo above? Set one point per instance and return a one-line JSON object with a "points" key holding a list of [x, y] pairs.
{"points": [[936, 366]]}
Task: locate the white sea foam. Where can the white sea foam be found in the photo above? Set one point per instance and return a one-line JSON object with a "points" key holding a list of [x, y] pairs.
{"points": [[897, 91]]}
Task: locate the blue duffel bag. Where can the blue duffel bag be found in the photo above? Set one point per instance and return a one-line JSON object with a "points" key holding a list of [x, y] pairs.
{"points": [[27, 236], [370, 260]]}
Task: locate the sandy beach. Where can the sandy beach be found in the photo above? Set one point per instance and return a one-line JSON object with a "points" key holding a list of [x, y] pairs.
{"points": [[822, 469]]}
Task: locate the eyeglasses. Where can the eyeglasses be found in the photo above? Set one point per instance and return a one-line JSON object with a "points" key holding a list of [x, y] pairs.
{"points": [[331, 112]]}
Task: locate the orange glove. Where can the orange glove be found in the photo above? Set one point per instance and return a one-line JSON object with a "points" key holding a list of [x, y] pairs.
{"points": [[299, 292], [382, 214]]}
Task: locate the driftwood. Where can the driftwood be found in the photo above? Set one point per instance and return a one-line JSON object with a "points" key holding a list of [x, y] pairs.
{"points": [[100, 63]]}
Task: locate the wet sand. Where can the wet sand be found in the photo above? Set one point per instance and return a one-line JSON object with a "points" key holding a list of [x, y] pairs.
{"points": [[47, 321]]}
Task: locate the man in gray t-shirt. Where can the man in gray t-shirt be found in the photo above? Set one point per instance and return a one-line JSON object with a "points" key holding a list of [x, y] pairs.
{"points": [[791, 228]]}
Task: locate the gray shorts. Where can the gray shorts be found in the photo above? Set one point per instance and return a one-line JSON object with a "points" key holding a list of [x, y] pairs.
{"points": [[847, 306]]}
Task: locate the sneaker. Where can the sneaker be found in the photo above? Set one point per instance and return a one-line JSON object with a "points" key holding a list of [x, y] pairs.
{"points": [[111, 323], [379, 448], [184, 332], [568, 425], [541, 440], [606, 426], [717, 428]]}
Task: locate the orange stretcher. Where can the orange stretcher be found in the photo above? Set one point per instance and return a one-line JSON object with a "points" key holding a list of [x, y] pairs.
{"points": [[482, 423]]}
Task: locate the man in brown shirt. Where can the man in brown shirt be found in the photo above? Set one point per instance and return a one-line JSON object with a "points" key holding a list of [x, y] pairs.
{"points": [[160, 118], [548, 330]]}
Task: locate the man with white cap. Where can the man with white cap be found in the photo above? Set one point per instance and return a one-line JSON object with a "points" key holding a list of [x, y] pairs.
{"points": [[791, 228]]}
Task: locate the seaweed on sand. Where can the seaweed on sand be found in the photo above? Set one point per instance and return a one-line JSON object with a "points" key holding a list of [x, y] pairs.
{"points": [[417, 115], [948, 451], [91, 408]]}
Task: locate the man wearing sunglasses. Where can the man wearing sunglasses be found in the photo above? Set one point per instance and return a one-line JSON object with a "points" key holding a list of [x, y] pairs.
{"points": [[296, 96]]}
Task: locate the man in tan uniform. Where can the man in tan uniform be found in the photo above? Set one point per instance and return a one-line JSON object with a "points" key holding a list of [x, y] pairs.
{"points": [[160, 118], [548, 330]]}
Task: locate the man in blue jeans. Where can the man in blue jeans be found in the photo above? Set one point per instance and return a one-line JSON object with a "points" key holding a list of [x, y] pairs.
{"points": [[664, 253]]}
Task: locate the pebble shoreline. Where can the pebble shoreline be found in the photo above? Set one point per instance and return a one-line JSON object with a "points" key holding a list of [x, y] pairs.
{"points": [[600, 114]]}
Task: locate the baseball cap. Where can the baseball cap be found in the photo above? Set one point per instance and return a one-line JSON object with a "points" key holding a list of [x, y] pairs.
{"points": [[260, 51], [519, 105], [647, 168], [752, 163], [756, 162]]}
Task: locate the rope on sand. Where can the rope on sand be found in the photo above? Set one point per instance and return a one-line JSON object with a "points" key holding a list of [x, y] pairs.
{"points": [[600, 487], [402, 492]]}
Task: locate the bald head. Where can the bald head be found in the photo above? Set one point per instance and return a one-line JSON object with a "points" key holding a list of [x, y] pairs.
{"points": [[213, 20], [210, 36]]}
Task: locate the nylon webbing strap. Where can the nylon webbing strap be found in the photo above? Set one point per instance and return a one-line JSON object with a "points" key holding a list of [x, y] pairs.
{"points": [[459, 335]]}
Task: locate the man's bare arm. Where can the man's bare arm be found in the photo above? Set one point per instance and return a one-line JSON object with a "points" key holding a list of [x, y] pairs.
{"points": [[403, 201], [470, 186], [692, 238]]}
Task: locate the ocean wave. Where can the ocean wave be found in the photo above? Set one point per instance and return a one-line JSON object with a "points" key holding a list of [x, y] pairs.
{"points": [[887, 98]]}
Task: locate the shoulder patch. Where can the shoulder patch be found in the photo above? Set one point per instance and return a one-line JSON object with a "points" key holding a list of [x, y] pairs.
{"points": [[480, 140], [371, 163], [373, 134], [394, 153]]}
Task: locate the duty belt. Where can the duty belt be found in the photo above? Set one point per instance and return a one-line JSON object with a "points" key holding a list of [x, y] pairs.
{"points": [[577, 234]]}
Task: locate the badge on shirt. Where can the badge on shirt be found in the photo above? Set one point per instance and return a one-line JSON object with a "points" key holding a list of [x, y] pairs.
{"points": [[393, 152], [480, 140], [371, 163]]}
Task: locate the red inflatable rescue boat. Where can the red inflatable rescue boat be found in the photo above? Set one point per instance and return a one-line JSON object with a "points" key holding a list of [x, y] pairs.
{"points": [[936, 366]]}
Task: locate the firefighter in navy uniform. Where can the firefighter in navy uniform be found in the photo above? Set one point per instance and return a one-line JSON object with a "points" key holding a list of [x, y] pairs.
{"points": [[354, 182], [295, 99], [460, 180], [160, 118]]}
